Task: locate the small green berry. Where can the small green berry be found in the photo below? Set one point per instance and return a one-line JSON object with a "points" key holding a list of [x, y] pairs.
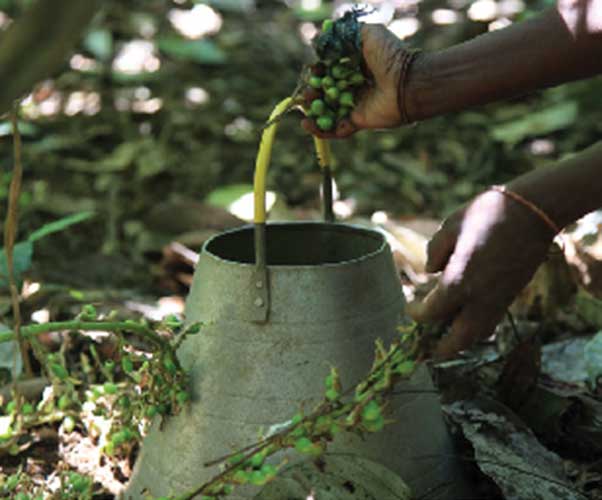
{"points": [[315, 82], [27, 409], [371, 411], [332, 93], [258, 478], [241, 477], [89, 312], [339, 72], [356, 79], [342, 84], [332, 394], [328, 82], [325, 123], [327, 25], [304, 445], [257, 460], [346, 99], [318, 107], [374, 425]]}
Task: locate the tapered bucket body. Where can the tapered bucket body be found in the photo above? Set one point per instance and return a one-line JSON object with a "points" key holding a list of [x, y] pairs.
{"points": [[333, 290]]}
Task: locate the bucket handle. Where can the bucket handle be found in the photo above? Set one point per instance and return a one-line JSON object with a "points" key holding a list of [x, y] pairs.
{"points": [[260, 285]]}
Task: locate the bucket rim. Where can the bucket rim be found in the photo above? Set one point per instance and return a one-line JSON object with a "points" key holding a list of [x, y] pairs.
{"points": [[337, 226]]}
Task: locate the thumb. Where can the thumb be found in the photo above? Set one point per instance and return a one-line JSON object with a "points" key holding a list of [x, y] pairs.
{"points": [[440, 248]]}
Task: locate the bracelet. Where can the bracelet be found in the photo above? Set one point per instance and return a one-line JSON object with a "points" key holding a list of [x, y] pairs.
{"points": [[531, 206], [407, 59]]}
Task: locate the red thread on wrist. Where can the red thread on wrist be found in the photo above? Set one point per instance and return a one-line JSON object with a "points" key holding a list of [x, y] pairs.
{"points": [[530, 205]]}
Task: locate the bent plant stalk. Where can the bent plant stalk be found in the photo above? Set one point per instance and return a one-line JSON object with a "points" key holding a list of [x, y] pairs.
{"points": [[10, 232]]}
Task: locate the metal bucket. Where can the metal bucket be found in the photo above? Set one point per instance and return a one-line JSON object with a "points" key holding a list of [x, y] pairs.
{"points": [[333, 292], [280, 305]]}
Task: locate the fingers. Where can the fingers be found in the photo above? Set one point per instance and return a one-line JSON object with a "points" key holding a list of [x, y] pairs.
{"points": [[474, 322], [439, 305], [345, 128], [440, 247]]}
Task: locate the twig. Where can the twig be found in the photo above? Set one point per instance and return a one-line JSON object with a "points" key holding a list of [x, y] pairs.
{"points": [[105, 326], [10, 232]]}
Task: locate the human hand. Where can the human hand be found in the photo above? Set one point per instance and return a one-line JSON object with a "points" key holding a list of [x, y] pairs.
{"points": [[487, 252], [377, 107]]}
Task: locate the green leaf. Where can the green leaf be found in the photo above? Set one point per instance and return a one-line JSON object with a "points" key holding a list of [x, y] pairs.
{"points": [[25, 128], [22, 253], [8, 354], [59, 225], [225, 196], [200, 51], [551, 119], [100, 44]]}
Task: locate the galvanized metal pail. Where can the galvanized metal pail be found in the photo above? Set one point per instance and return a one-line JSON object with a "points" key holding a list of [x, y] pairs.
{"points": [[280, 304], [333, 292]]}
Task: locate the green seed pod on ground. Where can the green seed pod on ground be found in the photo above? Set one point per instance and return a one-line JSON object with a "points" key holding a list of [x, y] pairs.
{"points": [[332, 93], [315, 82], [327, 82], [325, 123], [356, 79], [318, 107], [346, 99]]}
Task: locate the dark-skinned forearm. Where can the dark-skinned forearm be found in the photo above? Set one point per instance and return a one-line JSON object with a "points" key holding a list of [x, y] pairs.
{"points": [[567, 190], [562, 44]]}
